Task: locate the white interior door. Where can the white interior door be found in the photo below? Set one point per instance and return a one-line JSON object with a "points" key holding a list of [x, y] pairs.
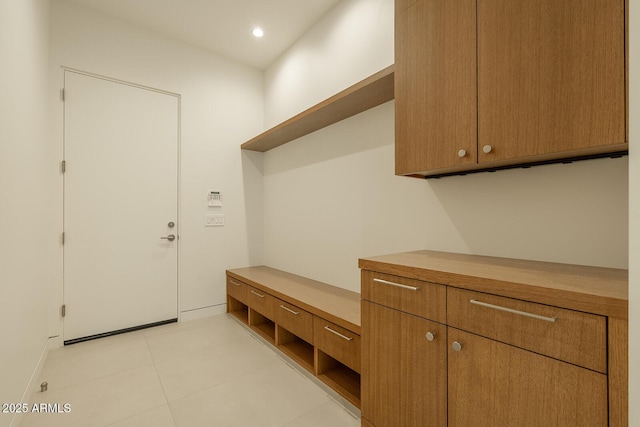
{"points": [[120, 194]]}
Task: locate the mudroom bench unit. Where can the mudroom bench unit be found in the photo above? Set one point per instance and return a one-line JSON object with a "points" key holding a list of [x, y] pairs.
{"points": [[315, 324]]}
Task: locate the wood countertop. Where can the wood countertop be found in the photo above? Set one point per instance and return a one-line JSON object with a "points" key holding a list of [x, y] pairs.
{"points": [[597, 290], [332, 303]]}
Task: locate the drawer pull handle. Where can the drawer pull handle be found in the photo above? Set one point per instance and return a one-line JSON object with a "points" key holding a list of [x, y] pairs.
{"points": [[289, 310], [386, 282], [510, 310], [255, 293], [234, 283], [338, 333]]}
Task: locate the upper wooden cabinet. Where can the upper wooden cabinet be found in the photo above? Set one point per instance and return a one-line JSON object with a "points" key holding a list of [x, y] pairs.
{"points": [[490, 83], [435, 84], [550, 76]]}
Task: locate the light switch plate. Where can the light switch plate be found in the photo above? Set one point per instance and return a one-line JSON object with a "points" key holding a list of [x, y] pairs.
{"points": [[214, 220]]}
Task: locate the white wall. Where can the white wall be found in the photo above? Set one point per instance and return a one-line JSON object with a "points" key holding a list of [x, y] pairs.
{"points": [[331, 197], [221, 107], [353, 41], [27, 192], [634, 213]]}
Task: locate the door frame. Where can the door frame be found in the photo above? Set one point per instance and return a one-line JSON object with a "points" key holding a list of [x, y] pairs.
{"points": [[60, 291]]}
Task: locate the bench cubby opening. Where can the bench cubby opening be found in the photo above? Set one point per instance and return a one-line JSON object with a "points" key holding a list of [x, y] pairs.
{"points": [[296, 348]]}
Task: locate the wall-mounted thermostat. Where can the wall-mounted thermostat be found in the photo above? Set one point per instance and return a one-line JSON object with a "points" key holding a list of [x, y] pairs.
{"points": [[215, 198]]}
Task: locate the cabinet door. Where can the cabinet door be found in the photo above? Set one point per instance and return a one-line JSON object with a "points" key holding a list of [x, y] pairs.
{"points": [[550, 77], [494, 384], [435, 84], [404, 379]]}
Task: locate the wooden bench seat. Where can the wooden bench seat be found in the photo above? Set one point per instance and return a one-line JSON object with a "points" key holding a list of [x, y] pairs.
{"points": [[315, 324]]}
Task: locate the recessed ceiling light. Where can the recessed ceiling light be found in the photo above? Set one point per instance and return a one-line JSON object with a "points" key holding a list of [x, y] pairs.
{"points": [[257, 32]]}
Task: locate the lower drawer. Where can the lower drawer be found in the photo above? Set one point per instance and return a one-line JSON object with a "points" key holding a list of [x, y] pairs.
{"points": [[237, 289], [295, 320], [261, 302], [338, 342]]}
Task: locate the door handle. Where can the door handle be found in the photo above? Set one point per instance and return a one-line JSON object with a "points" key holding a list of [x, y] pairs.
{"points": [[170, 237]]}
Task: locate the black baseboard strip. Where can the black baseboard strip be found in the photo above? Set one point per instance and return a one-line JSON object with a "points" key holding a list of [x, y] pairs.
{"points": [[119, 331]]}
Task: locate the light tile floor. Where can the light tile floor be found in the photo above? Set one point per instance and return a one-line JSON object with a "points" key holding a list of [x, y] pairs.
{"points": [[207, 372]]}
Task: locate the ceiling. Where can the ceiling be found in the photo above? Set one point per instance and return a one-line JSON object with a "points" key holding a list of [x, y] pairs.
{"points": [[222, 26]]}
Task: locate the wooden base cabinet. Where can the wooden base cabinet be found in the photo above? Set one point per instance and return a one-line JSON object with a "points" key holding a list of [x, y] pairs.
{"points": [[464, 340], [495, 384], [404, 378]]}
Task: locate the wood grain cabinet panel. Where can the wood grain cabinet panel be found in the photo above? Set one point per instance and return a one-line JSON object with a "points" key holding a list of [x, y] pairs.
{"points": [[237, 290], [261, 302], [404, 373], [435, 84], [417, 297], [295, 320], [572, 336], [551, 76], [494, 384]]}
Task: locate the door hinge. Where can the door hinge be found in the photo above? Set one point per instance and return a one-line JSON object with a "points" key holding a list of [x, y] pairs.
{"points": [[63, 166], [62, 94], [63, 237], [63, 310]]}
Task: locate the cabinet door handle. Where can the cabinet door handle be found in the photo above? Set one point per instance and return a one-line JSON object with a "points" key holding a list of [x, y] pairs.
{"points": [[289, 310], [338, 333], [234, 283], [511, 310], [386, 282], [255, 293]]}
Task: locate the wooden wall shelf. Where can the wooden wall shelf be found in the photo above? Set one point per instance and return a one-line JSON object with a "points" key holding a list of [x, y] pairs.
{"points": [[368, 93]]}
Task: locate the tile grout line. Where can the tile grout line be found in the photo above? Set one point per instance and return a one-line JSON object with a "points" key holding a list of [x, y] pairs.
{"points": [[133, 416], [164, 391], [90, 380], [187, 329]]}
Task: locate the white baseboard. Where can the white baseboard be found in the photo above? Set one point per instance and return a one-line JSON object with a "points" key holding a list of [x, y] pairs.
{"points": [[34, 385], [199, 313]]}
